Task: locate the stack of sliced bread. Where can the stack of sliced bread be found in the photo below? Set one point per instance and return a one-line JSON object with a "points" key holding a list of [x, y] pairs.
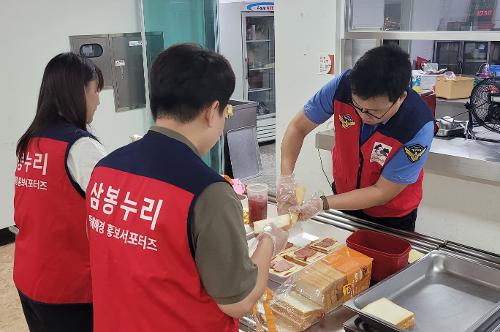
{"points": [[296, 310], [355, 266], [322, 284]]}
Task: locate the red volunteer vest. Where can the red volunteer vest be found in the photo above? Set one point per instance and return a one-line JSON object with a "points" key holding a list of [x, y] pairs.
{"points": [[144, 276], [360, 166], [51, 263]]}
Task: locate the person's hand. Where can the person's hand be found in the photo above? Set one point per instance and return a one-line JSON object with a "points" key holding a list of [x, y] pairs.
{"points": [[309, 209], [277, 235], [285, 193]]}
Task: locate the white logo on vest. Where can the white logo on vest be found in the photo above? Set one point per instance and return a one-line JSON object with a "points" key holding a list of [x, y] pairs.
{"points": [[380, 152]]}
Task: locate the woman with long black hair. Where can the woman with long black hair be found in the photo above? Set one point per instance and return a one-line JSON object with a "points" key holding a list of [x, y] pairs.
{"points": [[56, 156]]}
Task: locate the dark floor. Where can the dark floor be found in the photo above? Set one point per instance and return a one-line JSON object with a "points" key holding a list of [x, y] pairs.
{"points": [[268, 160], [6, 236]]}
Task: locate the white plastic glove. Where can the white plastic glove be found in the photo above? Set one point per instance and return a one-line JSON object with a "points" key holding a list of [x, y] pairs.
{"points": [[309, 209], [285, 193], [277, 235]]}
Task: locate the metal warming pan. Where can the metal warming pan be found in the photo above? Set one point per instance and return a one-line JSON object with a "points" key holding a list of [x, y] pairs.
{"points": [[446, 292]]}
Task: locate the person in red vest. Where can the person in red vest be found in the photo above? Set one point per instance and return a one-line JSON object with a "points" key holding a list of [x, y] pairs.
{"points": [[383, 133], [168, 250], [56, 156]]}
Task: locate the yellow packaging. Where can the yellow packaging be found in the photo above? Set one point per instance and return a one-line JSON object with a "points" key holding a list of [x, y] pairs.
{"points": [[355, 266], [320, 288]]}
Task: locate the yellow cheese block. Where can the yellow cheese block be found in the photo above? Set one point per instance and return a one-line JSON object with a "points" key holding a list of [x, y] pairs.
{"points": [[389, 311], [414, 256]]}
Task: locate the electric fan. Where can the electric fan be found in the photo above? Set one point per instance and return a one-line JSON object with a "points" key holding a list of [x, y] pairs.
{"points": [[484, 108]]}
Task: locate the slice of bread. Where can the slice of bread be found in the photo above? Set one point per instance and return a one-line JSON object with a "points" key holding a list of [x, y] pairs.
{"points": [[391, 312], [316, 256], [287, 323], [322, 248], [284, 274], [297, 306], [321, 284], [289, 249], [283, 221]]}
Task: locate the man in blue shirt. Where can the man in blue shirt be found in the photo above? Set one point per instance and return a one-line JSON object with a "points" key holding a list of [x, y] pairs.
{"points": [[383, 133]]}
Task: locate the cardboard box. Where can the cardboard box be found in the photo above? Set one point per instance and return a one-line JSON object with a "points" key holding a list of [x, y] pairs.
{"points": [[459, 88]]}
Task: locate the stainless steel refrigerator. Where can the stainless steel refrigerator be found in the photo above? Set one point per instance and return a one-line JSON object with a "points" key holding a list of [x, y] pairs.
{"points": [[247, 40], [257, 30]]}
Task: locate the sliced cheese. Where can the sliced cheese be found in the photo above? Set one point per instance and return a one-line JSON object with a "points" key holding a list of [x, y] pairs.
{"points": [[414, 256], [391, 312]]}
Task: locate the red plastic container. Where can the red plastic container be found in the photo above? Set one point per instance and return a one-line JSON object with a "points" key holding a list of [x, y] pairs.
{"points": [[389, 253]]}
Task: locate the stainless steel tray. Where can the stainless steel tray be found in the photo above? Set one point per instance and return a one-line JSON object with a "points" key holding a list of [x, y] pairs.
{"points": [[446, 292], [450, 132]]}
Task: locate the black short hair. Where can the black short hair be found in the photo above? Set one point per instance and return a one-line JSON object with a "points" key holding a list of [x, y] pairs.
{"points": [[185, 78], [382, 71]]}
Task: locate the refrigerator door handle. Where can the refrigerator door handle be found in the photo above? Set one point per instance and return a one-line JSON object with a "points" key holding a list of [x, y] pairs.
{"points": [[246, 68]]}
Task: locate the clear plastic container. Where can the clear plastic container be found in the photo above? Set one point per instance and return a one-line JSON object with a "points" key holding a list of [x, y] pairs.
{"points": [[257, 201]]}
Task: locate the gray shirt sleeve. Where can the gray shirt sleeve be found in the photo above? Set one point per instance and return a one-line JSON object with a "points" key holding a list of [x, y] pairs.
{"points": [[221, 251]]}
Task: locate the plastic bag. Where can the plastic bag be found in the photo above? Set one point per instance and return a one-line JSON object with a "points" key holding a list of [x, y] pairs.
{"points": [[308, 296], [430, 67], [263, 314], [449, 75]]}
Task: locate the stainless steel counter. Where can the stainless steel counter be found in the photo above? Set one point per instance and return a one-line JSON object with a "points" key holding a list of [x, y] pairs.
{"points": [[454, 157], [345, 224], [342, 225]]}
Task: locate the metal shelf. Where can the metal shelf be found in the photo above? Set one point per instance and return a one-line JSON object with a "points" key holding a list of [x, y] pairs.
{"points": [[456, 101], [266, 116], [262, 68], [259, 41], [423, 35], [259, 90]]}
